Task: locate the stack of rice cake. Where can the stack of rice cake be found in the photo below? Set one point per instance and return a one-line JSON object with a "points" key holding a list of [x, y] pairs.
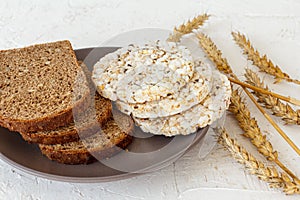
{"points": [[163, 88]]}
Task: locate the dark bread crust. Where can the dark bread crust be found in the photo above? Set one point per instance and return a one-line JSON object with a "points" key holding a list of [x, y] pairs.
{"points": [[71, 158], [83, 156], [68, 135], [49, 122]]}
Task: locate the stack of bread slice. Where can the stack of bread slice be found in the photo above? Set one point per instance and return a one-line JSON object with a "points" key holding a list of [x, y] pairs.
{"points": [[164, 89], [47, 96]]}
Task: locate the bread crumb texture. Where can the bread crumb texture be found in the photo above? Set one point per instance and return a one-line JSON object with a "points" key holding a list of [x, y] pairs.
{"points": [[39, 81]]}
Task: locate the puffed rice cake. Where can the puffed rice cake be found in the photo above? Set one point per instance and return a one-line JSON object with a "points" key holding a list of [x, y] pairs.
{"points": [[193, 93], [121, 75], [199, 116]]}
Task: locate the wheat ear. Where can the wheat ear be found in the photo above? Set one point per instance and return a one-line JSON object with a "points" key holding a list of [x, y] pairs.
{"points": [[262, 62], [221, 63], [216, 56], [280, 109], [256, 167], [252, 131], [188, 27]]}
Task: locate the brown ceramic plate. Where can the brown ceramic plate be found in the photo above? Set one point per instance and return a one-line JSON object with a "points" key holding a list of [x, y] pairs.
{"points": [[145, 154]]}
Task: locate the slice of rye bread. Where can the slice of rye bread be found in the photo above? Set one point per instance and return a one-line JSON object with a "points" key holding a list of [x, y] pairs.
{"points": [[114, 137], [40, 87], [86, 124]]}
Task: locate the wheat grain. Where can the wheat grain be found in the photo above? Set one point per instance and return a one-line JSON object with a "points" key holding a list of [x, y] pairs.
{"points": [[262, 62], [250, 126], [264, 146], [188, 27], [251, 130], [214, 53], [268, 174], [280, 109], [216, 56]]}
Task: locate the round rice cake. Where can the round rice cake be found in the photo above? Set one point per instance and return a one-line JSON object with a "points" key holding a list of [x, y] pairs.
{"points": [[121, 75], [199, 116], [104, 78], [193, 93]]}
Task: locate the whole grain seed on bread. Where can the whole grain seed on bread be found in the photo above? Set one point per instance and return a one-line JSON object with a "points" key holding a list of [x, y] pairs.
{"points": [[84, 125], [114, 137], [37, 87]]}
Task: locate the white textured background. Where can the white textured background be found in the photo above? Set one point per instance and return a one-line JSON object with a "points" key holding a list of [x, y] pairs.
{"points": [[272, 25]]}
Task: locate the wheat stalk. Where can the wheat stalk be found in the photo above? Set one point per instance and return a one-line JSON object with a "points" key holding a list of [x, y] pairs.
{"points": [[285, 111], [265, 91], [188, 27], [256, 167], [252, 131], [216, 56], [262, 62]]}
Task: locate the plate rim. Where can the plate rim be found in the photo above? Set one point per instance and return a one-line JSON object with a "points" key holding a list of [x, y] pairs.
{"points": [[73, 179]]}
